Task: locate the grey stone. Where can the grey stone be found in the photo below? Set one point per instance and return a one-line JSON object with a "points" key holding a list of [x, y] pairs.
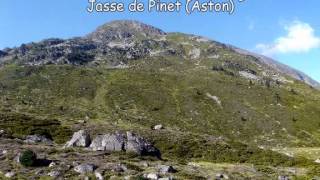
{"points": [[139, 145], [10, 174], [52, 164], [165, 178], [39, 172], [115, 167], [108, 142], [158, 127], [84, 168], [54, 174], [283, 178], [33, 139], [17, 158], [163, 169], [98, 175], [79, 139], [151, 176], [220, 176]]}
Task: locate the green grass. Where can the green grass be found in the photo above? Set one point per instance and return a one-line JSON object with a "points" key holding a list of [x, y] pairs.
{"points": [[51, 99]]}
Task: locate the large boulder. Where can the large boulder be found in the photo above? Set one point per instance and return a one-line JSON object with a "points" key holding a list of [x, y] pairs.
{"points": [[79, 139], [108, 142], [139, 145]]}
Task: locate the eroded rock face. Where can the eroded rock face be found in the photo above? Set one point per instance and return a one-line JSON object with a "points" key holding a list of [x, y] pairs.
{"points": [[79, 139], [108, 142]]}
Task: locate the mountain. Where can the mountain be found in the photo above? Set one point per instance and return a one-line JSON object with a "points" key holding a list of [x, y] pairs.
{"points": [[118, 42], [223, 109]]}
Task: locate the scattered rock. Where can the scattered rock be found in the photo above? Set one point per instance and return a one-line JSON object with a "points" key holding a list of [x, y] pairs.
{"points": [[151, 176], [39, 172], [283, 178], [108, 142], [79, 139], [221, 176], [195, 53], [4, 152], [140, 146], [248, 75], [98, 175], [163, 169], [120, 168], [165, 178], [85, 168], [158, 127], [10, 174], [17, 158], [33, 139], [115, 167], [81, 121], [317, 161], [215, 98], [52, 164], [2, 132], [144, 164], [54, 174]]}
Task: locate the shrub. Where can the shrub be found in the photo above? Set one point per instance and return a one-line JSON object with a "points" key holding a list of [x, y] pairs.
{"points": [[28, 158]]}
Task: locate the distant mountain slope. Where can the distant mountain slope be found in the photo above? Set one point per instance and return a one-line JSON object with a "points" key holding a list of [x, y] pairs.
{"points": [[282, 68]]}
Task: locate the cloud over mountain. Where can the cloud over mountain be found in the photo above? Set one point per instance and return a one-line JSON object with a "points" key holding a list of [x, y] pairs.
{"points": [[300, 38]]}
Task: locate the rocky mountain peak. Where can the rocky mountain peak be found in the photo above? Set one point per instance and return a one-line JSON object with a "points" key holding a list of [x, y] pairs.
{"points": [[123, 29]]}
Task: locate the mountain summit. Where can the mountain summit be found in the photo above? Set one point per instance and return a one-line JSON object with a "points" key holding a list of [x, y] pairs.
{"points": [[117, 30]]}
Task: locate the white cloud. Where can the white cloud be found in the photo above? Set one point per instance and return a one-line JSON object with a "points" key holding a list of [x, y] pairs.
{"points": [[300, 38]]}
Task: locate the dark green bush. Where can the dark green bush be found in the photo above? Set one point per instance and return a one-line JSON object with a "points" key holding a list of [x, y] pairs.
{"points": [[28, 158]]}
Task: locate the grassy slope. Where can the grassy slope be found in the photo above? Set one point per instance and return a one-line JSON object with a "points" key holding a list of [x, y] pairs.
{"points": [[172, 92]]}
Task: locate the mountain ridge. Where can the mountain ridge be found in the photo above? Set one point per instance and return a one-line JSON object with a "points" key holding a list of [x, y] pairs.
{"points": [[119, 38]]}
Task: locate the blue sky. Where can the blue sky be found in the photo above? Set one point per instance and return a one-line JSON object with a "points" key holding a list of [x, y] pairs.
{"points": [[287, 30]]}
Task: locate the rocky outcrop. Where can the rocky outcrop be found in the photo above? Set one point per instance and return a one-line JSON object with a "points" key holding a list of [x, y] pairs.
{"points": [[108, 142], [128, 142], [117, 30], [79, 139]]}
